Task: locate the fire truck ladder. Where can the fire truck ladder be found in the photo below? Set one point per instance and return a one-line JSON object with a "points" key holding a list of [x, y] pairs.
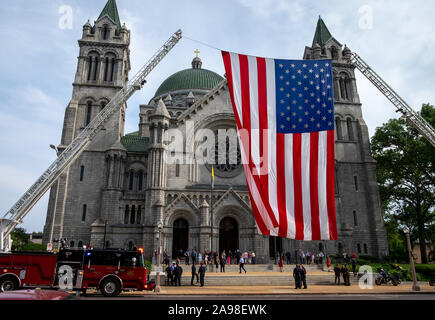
{"points": [[16, 214], [413, 117]]}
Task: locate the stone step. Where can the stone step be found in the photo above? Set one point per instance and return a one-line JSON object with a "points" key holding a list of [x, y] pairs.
{"points": [[255, 268], [261, 280]]}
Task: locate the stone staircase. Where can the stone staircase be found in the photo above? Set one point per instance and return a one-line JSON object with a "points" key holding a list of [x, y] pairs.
{"points": [[259, 275]]}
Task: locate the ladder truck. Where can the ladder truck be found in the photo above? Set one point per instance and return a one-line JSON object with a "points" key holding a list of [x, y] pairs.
{"points": [[410, 115], [16, 214]]}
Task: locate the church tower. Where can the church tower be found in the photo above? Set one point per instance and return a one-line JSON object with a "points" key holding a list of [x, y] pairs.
{"points": [[359, 218], [102, 70]]}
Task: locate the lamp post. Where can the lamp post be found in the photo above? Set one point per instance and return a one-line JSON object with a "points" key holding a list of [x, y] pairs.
{"points": [[159, 227], [105, 231], [415, 287]]}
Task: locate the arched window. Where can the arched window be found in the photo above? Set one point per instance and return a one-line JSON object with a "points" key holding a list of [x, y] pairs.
{"points": [[71, 244], [358, 246], [126, 214], [103, 105], [177, 169], [110, 66], [82, 172], [140, 180], [93, 66], [340, 248], [133, 214], [139, 215], [349, 129], [80, 245], [365, 248], [338, 128], [131, 180], [334, 53], [85, 208], [355, 182], [345, 87], [355, 218], [130, 245], [88, 113], [106, 32], [336, 88]]}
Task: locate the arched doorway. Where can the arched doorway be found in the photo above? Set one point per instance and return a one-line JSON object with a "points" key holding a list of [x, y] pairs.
{"points": [[228, 235], [180, 237], [275, 246]]}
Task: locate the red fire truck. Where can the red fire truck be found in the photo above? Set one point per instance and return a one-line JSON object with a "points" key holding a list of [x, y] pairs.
{"points": [[110, 271]]}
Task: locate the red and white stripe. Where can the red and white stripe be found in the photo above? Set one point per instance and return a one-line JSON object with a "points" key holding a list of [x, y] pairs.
{"points": [[294, 196]]}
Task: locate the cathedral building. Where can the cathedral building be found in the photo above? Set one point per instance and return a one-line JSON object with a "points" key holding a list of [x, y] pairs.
{"points": [[119, 189]]}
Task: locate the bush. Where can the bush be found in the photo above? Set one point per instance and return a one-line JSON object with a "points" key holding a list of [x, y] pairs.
{"points": [[368, 258], [33, 247], [148, 265], [427, 270]]}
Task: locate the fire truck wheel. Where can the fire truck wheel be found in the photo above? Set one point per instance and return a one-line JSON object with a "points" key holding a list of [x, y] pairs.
{"points": [[8, 284], [110, 287]]}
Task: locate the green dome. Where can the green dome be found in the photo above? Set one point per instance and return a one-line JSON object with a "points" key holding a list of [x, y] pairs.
{"points": [[194, 78]]}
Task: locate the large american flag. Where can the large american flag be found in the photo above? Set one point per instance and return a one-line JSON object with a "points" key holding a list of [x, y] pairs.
{"points": [[284, 111]]}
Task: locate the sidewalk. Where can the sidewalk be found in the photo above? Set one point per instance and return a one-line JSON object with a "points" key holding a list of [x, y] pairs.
{"points": [[273, 290]]}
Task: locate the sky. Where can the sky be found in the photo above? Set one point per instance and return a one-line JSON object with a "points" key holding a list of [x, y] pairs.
{"points": [[38, 60]]}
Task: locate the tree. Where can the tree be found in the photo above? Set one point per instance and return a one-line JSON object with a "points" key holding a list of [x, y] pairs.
{"points": [[19, 238], [406, 176]]}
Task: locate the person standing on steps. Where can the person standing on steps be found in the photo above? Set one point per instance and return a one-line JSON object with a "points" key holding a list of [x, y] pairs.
{"points": [[223, 262], [288, 256], [242, 265], [178, 271], [304, 276], [281, 263], [297, 275], [337, 272], [194, 274], [201, 272]]}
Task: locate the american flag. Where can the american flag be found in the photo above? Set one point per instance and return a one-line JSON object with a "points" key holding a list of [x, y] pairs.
{"points": [[284, 111]]}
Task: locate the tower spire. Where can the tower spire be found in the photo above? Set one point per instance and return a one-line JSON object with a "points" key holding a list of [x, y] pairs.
{"points": [[322, 33], [111, 10]]}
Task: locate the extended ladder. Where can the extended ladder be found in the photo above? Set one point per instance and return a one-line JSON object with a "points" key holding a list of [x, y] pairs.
{"points": [[16, 214], [413, 117]]}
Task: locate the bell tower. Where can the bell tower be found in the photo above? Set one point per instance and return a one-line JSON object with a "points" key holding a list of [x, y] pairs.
{"points": [[358, 206], [102, 70]]}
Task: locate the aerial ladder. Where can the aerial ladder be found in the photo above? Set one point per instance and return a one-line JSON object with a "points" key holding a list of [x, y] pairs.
{"points": [[408, 113], [16, 214]]}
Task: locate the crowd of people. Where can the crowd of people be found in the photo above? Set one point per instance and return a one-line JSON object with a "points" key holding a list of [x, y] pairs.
{"points": [[207, 261], [213, 262], [208, 257]]}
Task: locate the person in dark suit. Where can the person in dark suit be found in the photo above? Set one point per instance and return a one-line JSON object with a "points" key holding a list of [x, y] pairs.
{"points": [[201, 272], [194, 274], [297, 275], [178, 271], [223, 262], [169, 276], [304, 277], [288, 256]]}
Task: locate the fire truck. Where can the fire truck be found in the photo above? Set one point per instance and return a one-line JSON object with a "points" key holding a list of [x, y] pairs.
{"points": [[109, 270]]}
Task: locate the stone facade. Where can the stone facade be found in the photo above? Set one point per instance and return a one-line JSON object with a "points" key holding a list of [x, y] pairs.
{"points": [[121, 186]]}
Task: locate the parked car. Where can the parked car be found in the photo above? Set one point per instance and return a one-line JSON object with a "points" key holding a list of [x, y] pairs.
{"points": [[37, 294]]}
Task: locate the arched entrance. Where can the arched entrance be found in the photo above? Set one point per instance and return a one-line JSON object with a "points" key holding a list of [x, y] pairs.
{"points": [[228, 235], [275, 246], [180, 237]]}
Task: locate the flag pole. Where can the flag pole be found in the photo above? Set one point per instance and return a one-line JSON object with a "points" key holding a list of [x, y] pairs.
{"points": [[211, 208]]}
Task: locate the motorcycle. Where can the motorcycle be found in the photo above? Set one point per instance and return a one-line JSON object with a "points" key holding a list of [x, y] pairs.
{"points": [[385, 278]]}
